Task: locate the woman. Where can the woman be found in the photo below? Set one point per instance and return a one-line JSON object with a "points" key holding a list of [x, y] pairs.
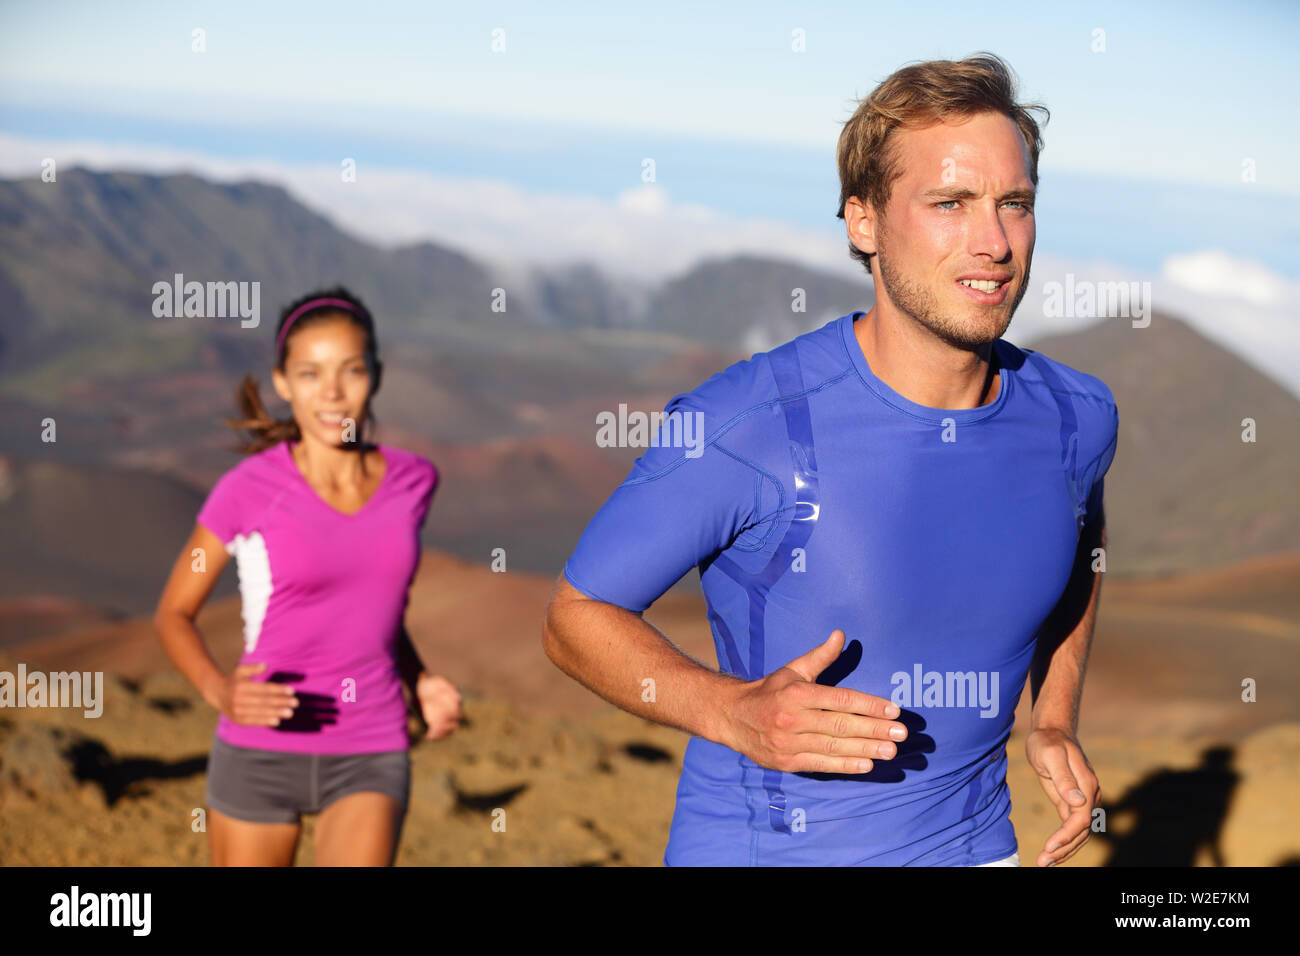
{"points": [[325, 528]]}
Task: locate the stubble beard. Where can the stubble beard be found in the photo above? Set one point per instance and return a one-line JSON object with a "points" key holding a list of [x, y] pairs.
{"points": [[920, 303]]}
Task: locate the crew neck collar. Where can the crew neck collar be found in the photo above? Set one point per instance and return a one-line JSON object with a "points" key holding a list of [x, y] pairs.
{"points": [[925, 413]]}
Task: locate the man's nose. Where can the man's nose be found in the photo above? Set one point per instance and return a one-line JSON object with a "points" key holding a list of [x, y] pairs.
{"points": [[987, 236]]}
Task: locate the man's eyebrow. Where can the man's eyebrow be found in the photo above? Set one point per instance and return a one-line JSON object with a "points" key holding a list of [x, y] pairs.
{"points": [[964, 192]]}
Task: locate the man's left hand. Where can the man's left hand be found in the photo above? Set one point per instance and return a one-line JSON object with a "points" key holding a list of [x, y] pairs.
{"points": [[1069, 782]]}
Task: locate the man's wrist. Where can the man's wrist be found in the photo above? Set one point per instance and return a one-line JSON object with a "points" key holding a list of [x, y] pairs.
{"points": [[716, 723], [1059, 724]]}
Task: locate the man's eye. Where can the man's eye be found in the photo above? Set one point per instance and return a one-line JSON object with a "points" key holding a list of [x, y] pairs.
{"points": [[1014, 202]]}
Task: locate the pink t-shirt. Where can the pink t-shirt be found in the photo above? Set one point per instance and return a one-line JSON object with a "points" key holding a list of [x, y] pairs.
{"points": [[324, 595]]}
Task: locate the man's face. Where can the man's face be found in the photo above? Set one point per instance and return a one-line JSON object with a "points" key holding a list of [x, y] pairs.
{"points": [[962, 207]]}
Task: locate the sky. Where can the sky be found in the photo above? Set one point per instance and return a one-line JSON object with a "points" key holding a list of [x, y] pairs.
{"points": [[521, 132]]}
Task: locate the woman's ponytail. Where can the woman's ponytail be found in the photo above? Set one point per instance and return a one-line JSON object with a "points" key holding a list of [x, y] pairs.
{"points": [[263, 429]]}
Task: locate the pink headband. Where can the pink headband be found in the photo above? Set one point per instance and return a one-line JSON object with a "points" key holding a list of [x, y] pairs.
{"points": [[307, 307]]}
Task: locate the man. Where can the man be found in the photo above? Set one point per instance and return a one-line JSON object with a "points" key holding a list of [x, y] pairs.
{"points": [[902, 480]]}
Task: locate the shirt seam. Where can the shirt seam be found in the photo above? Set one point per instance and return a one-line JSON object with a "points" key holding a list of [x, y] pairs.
{"points": [[780, 498], [1101, 454], [1099, 399], [736, 419]]}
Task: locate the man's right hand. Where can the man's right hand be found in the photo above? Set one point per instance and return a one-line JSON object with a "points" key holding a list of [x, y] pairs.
{"points": [[787, 721]]}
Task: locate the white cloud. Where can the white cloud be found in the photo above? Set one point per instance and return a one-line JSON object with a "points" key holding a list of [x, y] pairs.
{"points": [[1240, 304], [1213, 272], [648, 199]]}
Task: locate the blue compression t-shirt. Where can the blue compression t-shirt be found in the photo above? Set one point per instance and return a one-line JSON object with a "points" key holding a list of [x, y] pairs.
{"points": [[938, 540]]}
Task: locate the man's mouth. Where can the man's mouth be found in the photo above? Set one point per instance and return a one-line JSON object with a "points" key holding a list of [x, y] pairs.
{"points": [[984, 285], [986, 291]]}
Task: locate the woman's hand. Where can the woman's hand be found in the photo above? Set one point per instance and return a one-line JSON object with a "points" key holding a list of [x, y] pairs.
{"points": [[439, 704], [254, 703]]}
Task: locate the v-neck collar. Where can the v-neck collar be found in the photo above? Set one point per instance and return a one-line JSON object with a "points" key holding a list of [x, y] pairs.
{"points": [[383, 481]]}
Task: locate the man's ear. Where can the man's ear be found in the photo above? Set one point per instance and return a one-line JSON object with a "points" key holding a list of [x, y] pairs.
{"points": [[860, 221]]}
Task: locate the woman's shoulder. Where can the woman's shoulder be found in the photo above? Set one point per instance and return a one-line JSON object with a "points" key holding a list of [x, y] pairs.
{"points": [[256, 464], [240, 492], [410, 464]]}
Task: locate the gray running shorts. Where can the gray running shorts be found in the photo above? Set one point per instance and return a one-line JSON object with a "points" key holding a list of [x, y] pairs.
{"points": [[272, 786]]}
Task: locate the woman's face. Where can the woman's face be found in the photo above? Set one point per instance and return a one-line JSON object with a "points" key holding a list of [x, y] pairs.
{"points": [[325, 380]]}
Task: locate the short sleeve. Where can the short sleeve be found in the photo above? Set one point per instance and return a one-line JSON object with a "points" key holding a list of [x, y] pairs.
{"points": [[428, 489], [677, 507], [1095, 474], [221, 512]]}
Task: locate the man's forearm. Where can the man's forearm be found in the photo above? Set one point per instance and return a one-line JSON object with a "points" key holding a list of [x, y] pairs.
{"points": [[634, 666], [1061, 658]]}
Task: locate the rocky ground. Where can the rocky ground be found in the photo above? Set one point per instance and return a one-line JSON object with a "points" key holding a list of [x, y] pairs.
{"points": [[1190, 774], [127, 789]]}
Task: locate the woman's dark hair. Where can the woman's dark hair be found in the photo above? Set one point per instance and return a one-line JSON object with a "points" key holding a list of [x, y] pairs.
{"points": [[263, 429]]}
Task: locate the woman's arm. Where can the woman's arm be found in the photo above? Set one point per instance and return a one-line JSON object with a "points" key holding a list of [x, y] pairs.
{"points": [[237, 695], [409, 664], [192, 579], [436, 699]]}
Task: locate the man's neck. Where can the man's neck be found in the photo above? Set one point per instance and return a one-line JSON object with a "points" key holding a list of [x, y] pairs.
{"points": [[923, 368]]}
